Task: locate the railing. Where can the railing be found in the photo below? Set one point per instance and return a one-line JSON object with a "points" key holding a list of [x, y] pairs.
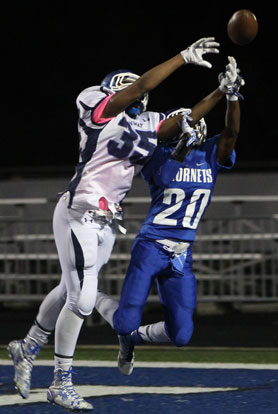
{"points": [[18, 206], [235, 257]]}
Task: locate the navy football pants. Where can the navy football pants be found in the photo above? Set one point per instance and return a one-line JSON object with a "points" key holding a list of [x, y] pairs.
{"points": [[150, 262]]}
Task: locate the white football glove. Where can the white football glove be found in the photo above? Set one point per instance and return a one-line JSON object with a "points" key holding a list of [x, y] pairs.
{"points": [[231, 81], [194, 53], [187, 130]]}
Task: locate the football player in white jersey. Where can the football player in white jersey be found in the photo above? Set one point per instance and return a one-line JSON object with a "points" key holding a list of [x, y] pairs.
{"points": [[181, 181], [117, 138]]}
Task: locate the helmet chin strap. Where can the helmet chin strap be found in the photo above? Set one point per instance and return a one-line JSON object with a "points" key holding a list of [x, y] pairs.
{"points": [[134, 109]]}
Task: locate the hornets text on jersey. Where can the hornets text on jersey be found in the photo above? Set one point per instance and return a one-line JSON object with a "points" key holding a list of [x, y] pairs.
{"points": [[180, 192]]}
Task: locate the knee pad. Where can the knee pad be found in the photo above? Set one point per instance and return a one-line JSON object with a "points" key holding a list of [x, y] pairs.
{"points": [[125, 323], [87, 298], [182, 336]]}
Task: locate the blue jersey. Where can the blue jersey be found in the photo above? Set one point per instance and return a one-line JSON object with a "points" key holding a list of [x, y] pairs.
{"points": [[180, 192]]}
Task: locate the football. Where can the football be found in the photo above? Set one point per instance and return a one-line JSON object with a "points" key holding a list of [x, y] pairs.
{"points": [[242, 27]]}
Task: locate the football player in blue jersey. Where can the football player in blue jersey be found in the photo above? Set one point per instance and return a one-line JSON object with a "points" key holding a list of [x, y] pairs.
{"points": [[181, 180], [117, 137]]}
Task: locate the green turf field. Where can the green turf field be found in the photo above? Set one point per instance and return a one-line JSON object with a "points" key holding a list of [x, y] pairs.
{"points": [[170, 354]]}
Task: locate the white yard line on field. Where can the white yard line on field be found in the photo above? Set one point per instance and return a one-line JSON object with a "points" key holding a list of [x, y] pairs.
{"points": [[147, 364]]}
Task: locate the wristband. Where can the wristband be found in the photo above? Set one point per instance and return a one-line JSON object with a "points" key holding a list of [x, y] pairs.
{"points": [[231, 98]]}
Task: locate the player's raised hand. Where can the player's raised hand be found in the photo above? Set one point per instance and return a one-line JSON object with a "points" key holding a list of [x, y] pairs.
{"points": [[230, 81], [194, 53], [228, 78]]}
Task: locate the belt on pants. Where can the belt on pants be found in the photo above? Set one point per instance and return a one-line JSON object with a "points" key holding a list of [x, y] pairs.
{"points": [[176, 247], [102, 216], [106, 216]]}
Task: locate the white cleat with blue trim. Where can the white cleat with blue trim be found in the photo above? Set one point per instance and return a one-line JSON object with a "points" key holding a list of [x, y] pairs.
{"points": [[62, 393], [23, 353]]}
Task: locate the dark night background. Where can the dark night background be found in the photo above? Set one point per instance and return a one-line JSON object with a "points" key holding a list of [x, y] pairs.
{"points": [[52, 51]]}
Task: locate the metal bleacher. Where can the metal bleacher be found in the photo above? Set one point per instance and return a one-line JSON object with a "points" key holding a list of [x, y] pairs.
{"points": [[235, 256]]}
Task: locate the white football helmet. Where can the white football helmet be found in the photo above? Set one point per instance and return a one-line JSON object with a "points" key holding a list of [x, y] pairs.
{"points": [[120, 79]]}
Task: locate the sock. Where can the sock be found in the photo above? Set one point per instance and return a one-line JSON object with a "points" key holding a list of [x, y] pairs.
{"points": [[38, 334], [106, 307], [31, 348], [136, 338], [66, 334], [62, 363], [152, 333]]}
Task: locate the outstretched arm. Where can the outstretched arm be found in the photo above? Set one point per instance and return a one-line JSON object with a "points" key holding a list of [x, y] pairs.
{"points": [[202, 108], [230, 82], [172, 127], [230, 85], [148, 81], [153, 77], [230, 133]]}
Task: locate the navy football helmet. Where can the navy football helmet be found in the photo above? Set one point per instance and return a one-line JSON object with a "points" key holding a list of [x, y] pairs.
{"points": [[120, 79], [200, 127]]}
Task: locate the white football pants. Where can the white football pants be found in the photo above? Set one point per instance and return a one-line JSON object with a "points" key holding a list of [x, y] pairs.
{"points": [[84, 246]]}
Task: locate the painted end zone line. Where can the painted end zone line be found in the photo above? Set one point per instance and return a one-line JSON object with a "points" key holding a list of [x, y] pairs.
{"points": [[89, 391], [145, 364]]}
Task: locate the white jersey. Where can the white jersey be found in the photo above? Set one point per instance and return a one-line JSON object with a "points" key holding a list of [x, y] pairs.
{"points": [[112, 150]]}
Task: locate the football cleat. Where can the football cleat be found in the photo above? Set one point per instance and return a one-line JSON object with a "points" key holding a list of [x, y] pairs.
{"points": [[62, 393], [126, 354], [23, 354]]}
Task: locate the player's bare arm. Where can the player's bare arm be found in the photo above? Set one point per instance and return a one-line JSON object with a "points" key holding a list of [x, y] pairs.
{"points": [[230, 83], [153, 77], [230, 133], [147, 82], [172, 127], [202, 108]]}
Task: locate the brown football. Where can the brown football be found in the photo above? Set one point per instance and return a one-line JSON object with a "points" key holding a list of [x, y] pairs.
{"points": [[242, 27]]}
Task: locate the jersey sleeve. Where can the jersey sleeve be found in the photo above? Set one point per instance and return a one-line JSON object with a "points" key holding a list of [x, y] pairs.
{"points": [[96, 117], [91, 103], [90, 96], [232, 162], [213, 143]]}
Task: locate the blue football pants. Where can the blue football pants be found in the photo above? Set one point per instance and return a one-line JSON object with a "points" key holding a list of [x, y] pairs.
{"points": [[151, 262]]}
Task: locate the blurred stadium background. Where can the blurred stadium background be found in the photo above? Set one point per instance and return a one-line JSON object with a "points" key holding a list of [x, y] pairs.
{"points": [[235, 258]]}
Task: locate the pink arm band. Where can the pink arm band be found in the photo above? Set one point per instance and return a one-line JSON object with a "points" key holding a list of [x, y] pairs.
{"points": [[99, 109], [159, 125]]}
